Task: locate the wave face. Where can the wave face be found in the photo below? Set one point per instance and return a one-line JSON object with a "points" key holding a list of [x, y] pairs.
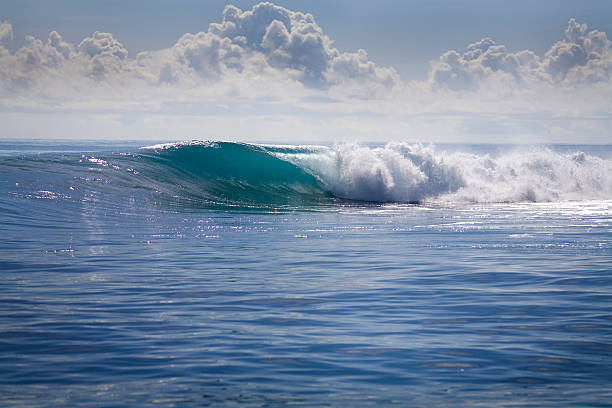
{"points": [[248, 175], [225, 173]]}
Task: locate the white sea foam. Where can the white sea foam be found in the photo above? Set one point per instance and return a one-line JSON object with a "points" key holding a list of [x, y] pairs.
{"points": [[172, 145], [417, 173]]}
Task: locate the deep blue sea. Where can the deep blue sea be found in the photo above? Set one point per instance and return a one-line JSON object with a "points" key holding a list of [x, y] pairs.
{"points": [[239, 275]]}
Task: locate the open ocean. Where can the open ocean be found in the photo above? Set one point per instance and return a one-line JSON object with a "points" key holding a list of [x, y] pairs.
{"points": [[239, 275]]}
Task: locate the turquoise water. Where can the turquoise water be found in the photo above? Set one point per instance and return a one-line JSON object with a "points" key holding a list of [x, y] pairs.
{"points": [[224, 274]]}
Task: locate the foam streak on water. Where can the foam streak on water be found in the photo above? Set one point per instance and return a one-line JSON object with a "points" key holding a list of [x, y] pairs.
{"points": [[239, 275]]}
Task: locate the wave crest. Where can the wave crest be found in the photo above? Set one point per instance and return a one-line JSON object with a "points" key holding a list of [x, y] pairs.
{"points": [[403, 172]]}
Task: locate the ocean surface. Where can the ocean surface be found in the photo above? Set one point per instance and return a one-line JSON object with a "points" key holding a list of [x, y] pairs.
{"points": [[239, 275]]}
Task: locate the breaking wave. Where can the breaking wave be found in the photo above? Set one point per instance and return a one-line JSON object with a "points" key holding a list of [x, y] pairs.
{"points": [[241, 174], [397, 172]]}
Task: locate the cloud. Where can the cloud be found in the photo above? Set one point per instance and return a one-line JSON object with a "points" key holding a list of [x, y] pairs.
{"points": [[6, 33], [582, 57], [208, 55], [34, 59], [273, 40], [482, 60], [100, 55], [271, 45], [265, 44], [277, 68], [288, 39]]}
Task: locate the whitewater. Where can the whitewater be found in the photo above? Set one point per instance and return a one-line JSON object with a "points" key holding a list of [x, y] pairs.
{"points": [[400, 172], [220, 273]]}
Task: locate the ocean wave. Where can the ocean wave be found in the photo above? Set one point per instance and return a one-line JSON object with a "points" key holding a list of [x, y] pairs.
{"points": [[396, 172], [256, 175]]}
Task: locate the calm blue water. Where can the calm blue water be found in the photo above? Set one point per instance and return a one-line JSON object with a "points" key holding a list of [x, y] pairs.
{"points": [[238, 275]]}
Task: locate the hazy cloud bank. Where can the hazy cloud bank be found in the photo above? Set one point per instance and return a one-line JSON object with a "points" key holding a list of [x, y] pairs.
{"points": [[280, 66]]}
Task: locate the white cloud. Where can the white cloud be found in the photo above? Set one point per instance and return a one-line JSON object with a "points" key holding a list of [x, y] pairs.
{"points": [[6, 33], [268, 43], [103, 55], [208, 55], [278, 68], [582, 57]]}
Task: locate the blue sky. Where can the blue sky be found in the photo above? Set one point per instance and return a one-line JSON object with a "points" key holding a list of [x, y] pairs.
{"points": [[408, 86]]}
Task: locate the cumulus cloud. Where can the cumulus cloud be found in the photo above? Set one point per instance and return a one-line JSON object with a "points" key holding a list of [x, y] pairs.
{"points": [[267, 43], [280, 65], [271, 45], [6, 33], [101, 55], [289, 40], [582, 57]]}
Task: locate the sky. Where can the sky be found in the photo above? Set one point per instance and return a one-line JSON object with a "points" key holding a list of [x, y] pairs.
{"points": [[307, 71]]}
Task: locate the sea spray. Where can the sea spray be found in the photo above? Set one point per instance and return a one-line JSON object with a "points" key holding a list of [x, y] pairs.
{"points": [[401, 172]]}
